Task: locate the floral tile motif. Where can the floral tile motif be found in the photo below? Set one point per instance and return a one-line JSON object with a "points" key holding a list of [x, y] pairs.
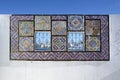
{"points": [[76, 41], [92, 27], [42, 23], [26, 28], [59, 43], [59, 17], [25, 43], [59, 28], [75, 23], [42, 41], [92, 43]]}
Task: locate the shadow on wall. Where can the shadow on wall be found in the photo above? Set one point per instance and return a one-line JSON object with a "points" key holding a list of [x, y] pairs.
{"points": [[113, 76]]}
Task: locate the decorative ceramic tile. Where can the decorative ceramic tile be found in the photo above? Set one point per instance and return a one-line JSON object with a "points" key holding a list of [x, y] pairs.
{"points": [[59, 17], [75, 23], [59, 28], [73, 37], [76, 41], [59, 43], [42, 23], [25, 43], [26, 28], [92, 43], [42, 41], [92, 27]]}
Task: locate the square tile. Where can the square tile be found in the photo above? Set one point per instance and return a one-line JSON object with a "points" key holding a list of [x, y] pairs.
{"points": [[26, 28], [25, 43], [59, 28], [92, 27], [92, 43], [42, 41], [42, 23], [59, 43], [75, 23], [76, 41], [59, 17]]}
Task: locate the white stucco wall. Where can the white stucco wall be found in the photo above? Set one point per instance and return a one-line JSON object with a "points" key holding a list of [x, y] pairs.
{"points": [[60, 70]]}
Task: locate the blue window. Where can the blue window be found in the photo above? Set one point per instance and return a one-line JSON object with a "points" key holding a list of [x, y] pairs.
{"points": [[76, 41], [42, 40]]}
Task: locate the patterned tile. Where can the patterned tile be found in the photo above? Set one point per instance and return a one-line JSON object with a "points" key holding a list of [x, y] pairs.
{"points": [[42, 23], [101, 55], [92, 27], [25, 43], [59, 17], [75, 23], [26, 28], [42, 41], [76, 41], [59, 28], [59, 43], [92, 43]]}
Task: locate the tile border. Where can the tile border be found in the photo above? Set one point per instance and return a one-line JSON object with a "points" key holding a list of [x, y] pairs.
{"points": [[60, 56]]}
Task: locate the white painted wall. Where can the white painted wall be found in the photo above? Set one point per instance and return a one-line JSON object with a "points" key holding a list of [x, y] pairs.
{"points": [[60, 70]]}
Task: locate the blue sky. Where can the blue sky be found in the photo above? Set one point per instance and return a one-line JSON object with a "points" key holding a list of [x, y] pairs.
{"points": [[59, 6]]}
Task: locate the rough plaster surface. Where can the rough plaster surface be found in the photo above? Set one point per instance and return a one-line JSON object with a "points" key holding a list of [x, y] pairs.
{"points": [[60, 70]]}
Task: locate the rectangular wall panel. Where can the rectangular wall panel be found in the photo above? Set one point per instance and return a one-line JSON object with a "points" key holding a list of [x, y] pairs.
{"points": [[70, 37]]}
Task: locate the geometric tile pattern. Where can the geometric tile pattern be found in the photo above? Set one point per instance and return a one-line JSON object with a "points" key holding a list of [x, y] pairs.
{"points": [[58, 27], [75, 23], [25, 44], [59, 37], [104, 53], [92, 43], [59, 17], [42, 23], [26, 28], [58, 43], [14, 29]]}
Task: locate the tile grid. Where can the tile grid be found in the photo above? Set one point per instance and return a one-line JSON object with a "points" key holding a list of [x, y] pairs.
{"points": [[24, 37], [58, 36], [84, 32], [66, 31], [92, 35], [45, 30], [75, 30]]}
